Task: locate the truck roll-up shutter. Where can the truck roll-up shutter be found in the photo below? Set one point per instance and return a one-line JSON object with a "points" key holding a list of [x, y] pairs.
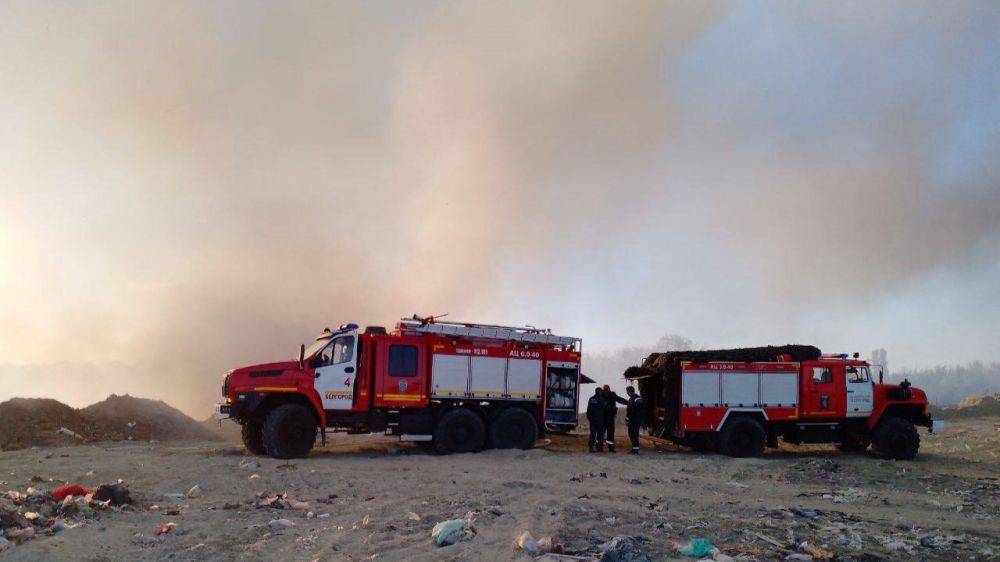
{"points": [[450, 375], [524, 378], [487, 377]]}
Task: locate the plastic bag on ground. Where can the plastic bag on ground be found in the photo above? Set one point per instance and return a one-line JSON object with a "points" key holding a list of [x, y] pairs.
{"points": [[450, 531], [528, 544], [697, 548]]}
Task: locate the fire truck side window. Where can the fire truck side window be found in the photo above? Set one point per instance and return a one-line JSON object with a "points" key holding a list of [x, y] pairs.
{"points": [[822, 374], [343, 350], [857, 374], [402, 360], [323, 359]]}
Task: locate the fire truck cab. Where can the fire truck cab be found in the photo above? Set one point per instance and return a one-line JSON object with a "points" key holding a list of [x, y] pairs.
{"points": [[460, 387]]}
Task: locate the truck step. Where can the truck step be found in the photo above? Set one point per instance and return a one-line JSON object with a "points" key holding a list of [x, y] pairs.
{"points": [[411, 437]]}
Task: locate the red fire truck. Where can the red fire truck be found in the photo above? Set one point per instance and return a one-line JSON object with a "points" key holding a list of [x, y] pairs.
{"points": [[738, 407], [460, 387]]}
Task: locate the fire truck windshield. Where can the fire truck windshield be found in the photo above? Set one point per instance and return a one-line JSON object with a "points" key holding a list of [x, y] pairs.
{"points": [[316, 346]]}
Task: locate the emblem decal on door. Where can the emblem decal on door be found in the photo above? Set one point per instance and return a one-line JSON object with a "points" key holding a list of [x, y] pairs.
{"points": [[402, 386]]}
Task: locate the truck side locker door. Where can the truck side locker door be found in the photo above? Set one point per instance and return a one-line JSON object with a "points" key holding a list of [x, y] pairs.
{"points": [[335, 376], [402, 370]]}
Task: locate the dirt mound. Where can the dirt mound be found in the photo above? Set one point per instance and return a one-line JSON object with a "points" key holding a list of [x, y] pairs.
{"points": [[975, 407], [25, 422], [28, 422], [225, 430], [127, 417]]}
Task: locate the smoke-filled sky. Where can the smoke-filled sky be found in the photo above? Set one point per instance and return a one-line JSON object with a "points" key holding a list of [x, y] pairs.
{"points": [[186, 187]]}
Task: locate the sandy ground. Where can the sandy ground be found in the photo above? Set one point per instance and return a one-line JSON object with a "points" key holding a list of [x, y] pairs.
{"points": [[944, 505]]}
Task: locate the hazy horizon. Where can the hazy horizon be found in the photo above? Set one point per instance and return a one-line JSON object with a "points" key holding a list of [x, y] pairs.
{"points": [[187, 187]]}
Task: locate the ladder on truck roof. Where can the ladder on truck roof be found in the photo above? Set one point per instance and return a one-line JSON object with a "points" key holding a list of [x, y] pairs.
{"points": [[488, 331]]}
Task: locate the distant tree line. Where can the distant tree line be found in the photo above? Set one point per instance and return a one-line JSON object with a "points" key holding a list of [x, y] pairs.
{"points": [[947, 385]]}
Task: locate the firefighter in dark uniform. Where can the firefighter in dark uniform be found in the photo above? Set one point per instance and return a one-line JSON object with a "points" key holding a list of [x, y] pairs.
{"points": [[611, 401], [595, 415], [635, 413]]}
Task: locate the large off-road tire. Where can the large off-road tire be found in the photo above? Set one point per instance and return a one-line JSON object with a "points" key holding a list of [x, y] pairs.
{"points": [[742, 437], [513, 428], [701, 443], [289, 431], [459, 431], [896, 438], [253, 436]]}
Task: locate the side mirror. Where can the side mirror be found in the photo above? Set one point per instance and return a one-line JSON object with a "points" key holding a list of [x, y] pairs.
{"points": [[302, 357]]}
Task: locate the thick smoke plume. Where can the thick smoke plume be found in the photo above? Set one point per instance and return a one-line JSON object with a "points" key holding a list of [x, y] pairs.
{"points": [[190, 187]]}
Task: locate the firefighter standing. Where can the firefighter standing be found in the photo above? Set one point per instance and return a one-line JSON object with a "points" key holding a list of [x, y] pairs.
{"points": [[611, 401], [634, 417], [595, 415]]}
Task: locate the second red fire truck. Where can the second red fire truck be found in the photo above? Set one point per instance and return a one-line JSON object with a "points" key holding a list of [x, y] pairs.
{"points": [[739, 401], [459, 387]]}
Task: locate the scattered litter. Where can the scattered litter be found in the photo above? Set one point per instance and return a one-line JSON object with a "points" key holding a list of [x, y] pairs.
{"points": [[253, 477], [20, 535], [194, 492], [279, 524], [807, 513], [117, 494], [412, 516], [4, 544], [452, 531], [165, 528], [697, 548], [816, 553], [69, 432], [768, 539], [534, 547], [60, 493], [734, 484], [846, 496], [282, 501], [622, 549], [296, 504]]}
